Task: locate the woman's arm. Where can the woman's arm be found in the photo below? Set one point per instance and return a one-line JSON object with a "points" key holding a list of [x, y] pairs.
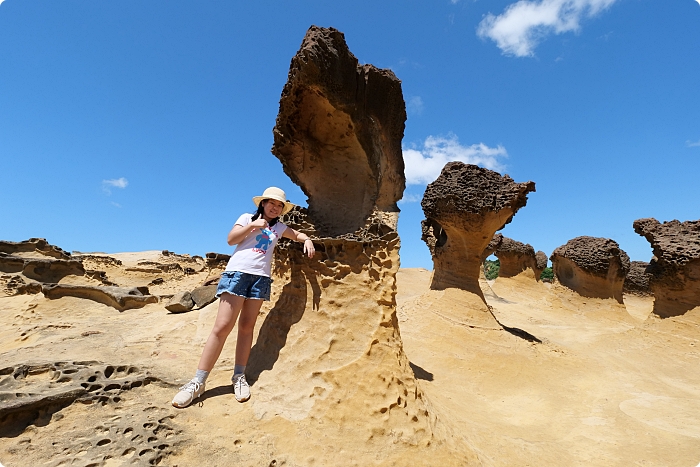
{"points": [[301, 237], [239, 232]]}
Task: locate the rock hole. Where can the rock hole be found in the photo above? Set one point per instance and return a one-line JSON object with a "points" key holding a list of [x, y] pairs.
{"points": [[109, 371], [113, 386], [102, 442]]}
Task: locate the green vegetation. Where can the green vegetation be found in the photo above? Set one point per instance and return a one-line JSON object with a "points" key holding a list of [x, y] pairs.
{"points": [[547, 275], [491, 268]]}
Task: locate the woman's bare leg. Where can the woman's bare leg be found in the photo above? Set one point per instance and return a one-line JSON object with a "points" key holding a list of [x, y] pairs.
{"points": [[229, 307], [246, 325]]}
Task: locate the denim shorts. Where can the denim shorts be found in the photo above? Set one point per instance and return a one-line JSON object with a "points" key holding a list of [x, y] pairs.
{"points": [[244, 285]]}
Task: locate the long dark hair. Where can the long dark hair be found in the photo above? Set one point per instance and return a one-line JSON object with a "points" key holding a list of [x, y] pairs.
{"points": [[260, 212]]}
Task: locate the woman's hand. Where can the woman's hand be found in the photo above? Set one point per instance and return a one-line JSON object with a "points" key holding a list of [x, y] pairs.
{"points": [[309, 248], [258, 224]]}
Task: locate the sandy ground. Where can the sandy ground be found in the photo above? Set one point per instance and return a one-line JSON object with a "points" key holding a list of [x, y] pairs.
{"points": [[573, 381]]}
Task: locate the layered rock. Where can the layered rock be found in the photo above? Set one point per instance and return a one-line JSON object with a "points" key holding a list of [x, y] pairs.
{"points": [[516, 258], [675, 268], [464, 207], [121, 298], [591, 266], [338, 133], [38, 245], [333, 330], [637, 280]]}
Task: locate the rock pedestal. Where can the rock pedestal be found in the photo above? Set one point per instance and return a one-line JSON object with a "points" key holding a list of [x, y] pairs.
{"points": [[464, 207], [675, 269]]}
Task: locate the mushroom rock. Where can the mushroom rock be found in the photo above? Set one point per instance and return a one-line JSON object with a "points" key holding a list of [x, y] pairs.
{"points": [[542, 260], [338, 133], [637, 280], [121, 298], [332, 331], [516, 258], [592, 267], [675, 271], [464, 207]]}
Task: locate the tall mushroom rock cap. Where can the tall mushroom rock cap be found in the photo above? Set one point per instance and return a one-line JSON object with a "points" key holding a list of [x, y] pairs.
{"points": [[338, 133]]}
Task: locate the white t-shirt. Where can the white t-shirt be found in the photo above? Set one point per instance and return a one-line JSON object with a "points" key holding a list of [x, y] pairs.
{"points": [[254, 254]]}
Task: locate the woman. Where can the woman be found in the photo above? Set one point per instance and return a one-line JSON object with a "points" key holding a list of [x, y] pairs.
{"points": [[243, 286]]}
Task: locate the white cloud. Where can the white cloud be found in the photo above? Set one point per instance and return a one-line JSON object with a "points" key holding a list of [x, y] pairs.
{"points": [[116, 205], [415, 106], [410, 198], [689, 143], [107, 185], [423, 165], [523, 24]]}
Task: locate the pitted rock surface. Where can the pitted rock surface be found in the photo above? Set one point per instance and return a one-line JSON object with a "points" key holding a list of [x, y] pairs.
{"points": [[463, 209], [38, 394], [637, 280], [542, 260], [470, 189], [516, 257], [592, 266], [675, 268], [594, 255], [338, 133], [493, 245]]}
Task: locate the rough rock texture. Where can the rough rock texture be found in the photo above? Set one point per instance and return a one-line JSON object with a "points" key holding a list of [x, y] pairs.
{"points": [[180, 303], [542, 260], [36, 393], [516, 257], [591, 266], [117, 297], [464, 207], [338, 133], [637, 280], [675, 268]]}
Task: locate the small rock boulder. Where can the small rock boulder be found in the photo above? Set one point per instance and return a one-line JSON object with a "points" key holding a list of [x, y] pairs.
{"points": [[180, 303], [204, 295]]}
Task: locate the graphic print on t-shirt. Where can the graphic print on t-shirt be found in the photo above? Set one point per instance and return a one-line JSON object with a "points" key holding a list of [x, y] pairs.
{"points": [[263, 240]]}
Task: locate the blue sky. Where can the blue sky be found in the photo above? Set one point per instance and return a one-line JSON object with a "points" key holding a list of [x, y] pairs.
{"points": [[139, 125]]}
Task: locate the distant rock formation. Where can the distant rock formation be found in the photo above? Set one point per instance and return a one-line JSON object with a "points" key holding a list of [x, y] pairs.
{"points": [[637, 280], [34, 245], [333, 330], [463, 209], [338, 133], [675, 268], [592, 267], [516, 258]]}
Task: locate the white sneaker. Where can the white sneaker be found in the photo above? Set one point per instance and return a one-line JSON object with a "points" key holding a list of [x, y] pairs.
{"points": [[188, 393], [240, 388]]}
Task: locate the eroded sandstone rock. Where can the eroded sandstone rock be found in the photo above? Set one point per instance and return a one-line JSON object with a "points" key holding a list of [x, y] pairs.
{"points": [[592, 267], [637, 280], [32, 393], [204, 295], [517, 257], [338, 133], [39, 245], [675, 268], [464, 207], [333, 330], [120, 298], [180, 303]]}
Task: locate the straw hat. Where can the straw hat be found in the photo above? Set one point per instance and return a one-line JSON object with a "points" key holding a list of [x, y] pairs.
{"points": [[276, 194]]}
